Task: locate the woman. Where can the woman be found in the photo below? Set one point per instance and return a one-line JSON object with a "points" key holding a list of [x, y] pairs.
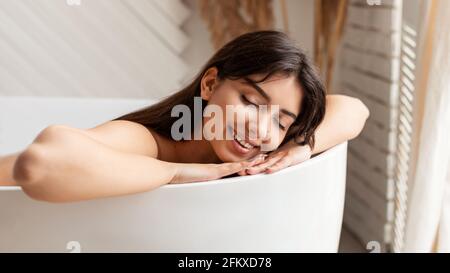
{"points": [[139, 152]]}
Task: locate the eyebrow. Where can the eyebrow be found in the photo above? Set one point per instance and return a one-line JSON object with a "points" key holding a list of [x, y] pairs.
{"points": [[267, 97], [259, 89]]}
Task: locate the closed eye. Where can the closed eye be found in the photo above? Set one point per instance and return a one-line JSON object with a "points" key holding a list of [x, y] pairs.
{"points": [[276, 120], [247, 101], [282, 127]]}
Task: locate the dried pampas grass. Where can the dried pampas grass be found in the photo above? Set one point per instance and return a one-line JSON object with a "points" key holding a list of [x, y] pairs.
{"points": [[227, 19], [330, 17]]}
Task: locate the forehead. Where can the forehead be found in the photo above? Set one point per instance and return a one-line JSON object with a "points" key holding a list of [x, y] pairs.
{"points": [[283, 90]]}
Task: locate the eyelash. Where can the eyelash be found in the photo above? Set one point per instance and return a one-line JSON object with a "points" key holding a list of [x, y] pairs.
{"points": [[247, 101], [279, 124]]}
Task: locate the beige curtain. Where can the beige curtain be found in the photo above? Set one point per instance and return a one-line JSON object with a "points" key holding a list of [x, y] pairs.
{"points": [[428, 222], [443, 239]]}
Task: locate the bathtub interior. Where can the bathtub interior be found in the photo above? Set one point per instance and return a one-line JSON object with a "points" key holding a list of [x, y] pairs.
{"points": [[22, 118], [298, 209]]}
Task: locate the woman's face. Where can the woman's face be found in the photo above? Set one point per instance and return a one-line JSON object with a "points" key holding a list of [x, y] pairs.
{"points": [[263, 113]]}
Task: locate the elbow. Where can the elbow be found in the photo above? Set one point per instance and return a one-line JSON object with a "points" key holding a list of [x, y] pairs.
{"points": [[28, 171], [31, 168], [31, 173], [365, 111], [362, 115]]}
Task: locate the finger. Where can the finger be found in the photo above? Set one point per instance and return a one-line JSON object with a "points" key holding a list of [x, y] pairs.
{"points": [[242, 173], [263, 159], [254, 162], [262, 167], [225, 169], [281, 164]]}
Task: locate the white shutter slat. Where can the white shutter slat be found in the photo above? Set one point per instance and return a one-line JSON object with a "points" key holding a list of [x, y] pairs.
{"points": [[52, 46], [37, 58], [381, 206], [413, 13], [99, 48], [374, 177], [168, 68], [160, 24], [86, 37], [174, 9], [370, 71]]}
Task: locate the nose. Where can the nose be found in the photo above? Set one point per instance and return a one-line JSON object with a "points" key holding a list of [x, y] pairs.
{"points": [[259, 128]]}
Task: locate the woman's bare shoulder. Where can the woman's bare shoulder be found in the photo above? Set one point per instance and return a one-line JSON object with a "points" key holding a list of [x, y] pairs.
{"points": [[126, 136]]}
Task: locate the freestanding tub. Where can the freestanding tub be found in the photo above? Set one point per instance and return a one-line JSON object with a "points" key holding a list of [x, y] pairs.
{"points": [[298, 209]]}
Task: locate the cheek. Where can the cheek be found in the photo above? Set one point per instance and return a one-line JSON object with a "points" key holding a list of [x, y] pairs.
{"points": [[223, 96], [231, 98], [279, 136]]}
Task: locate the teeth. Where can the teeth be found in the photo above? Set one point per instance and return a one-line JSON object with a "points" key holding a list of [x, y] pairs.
{"points": [[243, 143]]}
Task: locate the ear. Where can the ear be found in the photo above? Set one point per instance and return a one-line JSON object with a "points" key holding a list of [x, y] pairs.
{"points": [[208, 83]]}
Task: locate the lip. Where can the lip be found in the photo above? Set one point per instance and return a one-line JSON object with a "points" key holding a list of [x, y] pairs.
{"points": [[233, 133], [237, 146], [253, 143], [239, 149]]}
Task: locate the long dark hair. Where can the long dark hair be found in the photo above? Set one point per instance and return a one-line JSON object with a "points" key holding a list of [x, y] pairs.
{"points": [[261, 52]]}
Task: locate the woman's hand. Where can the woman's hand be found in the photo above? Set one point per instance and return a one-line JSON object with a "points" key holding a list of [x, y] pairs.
{"points": [[193, 172], [288, 155]]}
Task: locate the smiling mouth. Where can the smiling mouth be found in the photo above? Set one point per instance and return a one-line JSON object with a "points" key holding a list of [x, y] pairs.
{"points": [[243, 143], [242, 146]]}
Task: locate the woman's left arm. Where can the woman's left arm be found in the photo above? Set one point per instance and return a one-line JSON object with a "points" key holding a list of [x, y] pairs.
{"points": [[344, 120]]}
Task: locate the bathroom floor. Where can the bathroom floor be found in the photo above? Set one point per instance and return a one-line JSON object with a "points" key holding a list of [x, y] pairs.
{"points": [[349, 243]]}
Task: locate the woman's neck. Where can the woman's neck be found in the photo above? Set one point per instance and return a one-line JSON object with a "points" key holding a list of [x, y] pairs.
{"points": [[195, 151], [185, 151]]}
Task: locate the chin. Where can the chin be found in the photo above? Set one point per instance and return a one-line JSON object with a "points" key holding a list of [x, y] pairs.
{"points": [[224, 151]]}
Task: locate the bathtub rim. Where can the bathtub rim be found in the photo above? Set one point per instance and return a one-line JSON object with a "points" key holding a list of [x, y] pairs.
{"points": [[240, 179], [325, 154]]}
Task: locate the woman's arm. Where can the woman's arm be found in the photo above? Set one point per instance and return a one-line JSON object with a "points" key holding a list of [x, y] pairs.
{"points": [[344, 119], [114, 134], [6, 169], [66, 164]]}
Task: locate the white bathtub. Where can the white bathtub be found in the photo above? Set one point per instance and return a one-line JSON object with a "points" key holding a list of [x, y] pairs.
{"points": [[298, 209]]}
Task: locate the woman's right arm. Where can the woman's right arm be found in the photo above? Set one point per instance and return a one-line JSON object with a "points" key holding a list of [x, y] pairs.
{"points": [[65, 164], [6, 167]]}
